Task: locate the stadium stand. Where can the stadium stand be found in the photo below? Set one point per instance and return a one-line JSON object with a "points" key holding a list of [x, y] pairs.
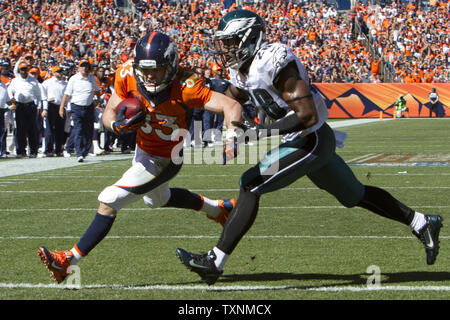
{"points": [[376, 41]]}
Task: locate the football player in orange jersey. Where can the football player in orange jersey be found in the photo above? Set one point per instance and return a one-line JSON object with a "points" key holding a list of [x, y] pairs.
{"points": [[169, 95]]}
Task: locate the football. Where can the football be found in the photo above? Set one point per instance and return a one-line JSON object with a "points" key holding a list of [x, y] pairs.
{"points": [[133, 105]]}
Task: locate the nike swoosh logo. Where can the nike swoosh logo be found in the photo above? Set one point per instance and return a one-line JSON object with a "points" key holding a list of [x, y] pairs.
{"points": [[429, 240], [53, 265], [195, 265]]}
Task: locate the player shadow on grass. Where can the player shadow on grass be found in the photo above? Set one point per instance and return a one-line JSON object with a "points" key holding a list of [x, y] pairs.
{"points": [[343, 279]]}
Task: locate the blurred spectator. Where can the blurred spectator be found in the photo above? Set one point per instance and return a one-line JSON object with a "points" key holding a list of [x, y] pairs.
{"points": [[406, 41], [400, 107], [27, 58], [106, 84], [127, 142], [409, 38], [213, 122], [6, 74], [4, 99], [197, 128], [434, 102], [52, 94], [26, 95], [81, 89], [35, 73], [413, 41], [8, 116]]}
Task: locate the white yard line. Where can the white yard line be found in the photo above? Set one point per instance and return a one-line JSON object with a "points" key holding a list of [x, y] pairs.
{"points": [[70, 176], [352, 122], [58, 210], [222, 288], [221, 190], [216, 236]]}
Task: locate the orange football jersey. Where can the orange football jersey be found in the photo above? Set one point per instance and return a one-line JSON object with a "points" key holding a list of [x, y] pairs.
{"points": [[103, 86], [6, 80], [187, 92]]}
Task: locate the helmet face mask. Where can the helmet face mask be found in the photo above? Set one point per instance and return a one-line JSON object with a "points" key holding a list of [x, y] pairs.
{"points": [[230, 51], [155, 79], [155, 62], [239, 36]]}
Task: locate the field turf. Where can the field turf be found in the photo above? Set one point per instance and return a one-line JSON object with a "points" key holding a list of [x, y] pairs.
{"points": [[303, 244]]}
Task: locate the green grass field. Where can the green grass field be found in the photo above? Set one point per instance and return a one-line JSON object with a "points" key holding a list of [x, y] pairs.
{"points": [[303, 245]]}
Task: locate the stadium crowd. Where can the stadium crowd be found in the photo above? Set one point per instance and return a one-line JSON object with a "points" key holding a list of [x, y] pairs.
{"points": [[415, 42], [59, 33]]}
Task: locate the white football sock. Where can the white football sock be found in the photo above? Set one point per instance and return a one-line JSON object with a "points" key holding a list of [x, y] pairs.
{"points": [[419, 221], [76, 256], [211, 207], [221, 258]]}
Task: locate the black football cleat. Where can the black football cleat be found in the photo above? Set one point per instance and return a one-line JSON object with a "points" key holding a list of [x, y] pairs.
{"points": [[429, 236], [202, 264]]}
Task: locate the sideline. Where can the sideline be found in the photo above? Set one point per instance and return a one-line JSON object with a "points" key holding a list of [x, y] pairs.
{"points": [[22, 166], [14, 167]]}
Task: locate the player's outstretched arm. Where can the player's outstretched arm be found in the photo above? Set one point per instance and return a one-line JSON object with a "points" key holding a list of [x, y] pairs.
{"points": [[231, 109]]}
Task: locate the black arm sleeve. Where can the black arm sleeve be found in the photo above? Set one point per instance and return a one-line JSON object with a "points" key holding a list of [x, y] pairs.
{"points": [[288, 124]]}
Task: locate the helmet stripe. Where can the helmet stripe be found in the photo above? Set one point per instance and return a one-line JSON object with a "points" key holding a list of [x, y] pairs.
{"points": [[150, 38]]}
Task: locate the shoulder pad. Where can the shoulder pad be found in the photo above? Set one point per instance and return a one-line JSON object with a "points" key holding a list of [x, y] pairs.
{"points": [[272, 58]]}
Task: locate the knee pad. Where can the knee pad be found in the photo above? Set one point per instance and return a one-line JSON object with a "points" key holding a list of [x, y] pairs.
{"points": [[116, 197], [158, 197]]}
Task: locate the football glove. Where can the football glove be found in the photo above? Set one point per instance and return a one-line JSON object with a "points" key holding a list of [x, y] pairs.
{"points": [[251, 130], [230, 148], [287, 124], [123, 125]]}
